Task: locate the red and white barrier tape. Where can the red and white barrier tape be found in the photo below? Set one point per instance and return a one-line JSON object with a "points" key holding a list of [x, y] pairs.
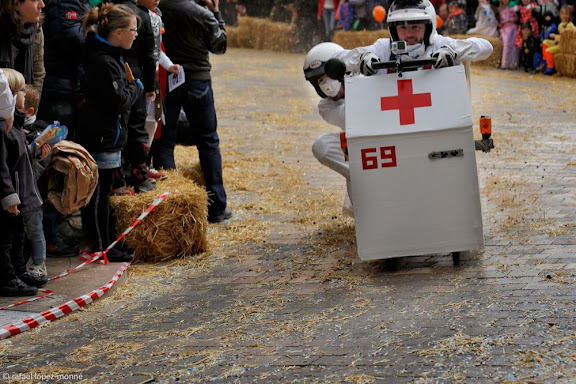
{"points": [[61, 310], [46, 292], [95, 256], [72, 305]]}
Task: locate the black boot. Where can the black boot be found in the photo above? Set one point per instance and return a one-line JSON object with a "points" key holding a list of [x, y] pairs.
{"points": [[17, 287]]}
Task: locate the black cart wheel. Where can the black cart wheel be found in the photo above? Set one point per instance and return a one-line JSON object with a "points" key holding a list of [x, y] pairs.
{"points": [[456, 258]]}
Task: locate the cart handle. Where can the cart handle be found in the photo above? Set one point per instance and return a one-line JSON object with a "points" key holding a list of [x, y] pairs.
{"points": [[336, 69]]}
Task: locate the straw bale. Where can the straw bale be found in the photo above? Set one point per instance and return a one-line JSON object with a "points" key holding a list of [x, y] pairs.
{"points": [[565, 63], [353, 39], [260, 33], [280, 37], [232, 36], [176, 227], [494, 59], [568, 41]]}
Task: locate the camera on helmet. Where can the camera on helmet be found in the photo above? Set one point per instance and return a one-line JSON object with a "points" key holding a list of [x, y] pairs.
{"points": [[399, 47]]}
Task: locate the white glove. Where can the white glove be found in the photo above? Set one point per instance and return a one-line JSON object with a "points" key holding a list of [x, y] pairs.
{"points": [[445, 57], [366, 60]]}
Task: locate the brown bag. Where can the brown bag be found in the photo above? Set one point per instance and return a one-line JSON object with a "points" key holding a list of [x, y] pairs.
{"points": [[72, 177]]}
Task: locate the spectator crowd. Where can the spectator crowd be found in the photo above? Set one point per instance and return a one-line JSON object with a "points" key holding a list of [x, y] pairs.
{"points": [[96, 73], [529, 30]]}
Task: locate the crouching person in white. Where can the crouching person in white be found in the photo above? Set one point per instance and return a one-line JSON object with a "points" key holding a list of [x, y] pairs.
{"points": [[327, 148]]}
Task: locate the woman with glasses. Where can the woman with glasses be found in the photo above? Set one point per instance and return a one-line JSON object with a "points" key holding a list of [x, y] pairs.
{"points": [[110, 91]]}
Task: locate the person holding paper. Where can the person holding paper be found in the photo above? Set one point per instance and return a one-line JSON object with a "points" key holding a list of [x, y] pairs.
{"points": [[110, 90], [193, 31]]}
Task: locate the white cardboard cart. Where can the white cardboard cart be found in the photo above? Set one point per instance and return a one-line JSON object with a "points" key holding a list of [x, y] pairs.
{"points": [[413, 164]]}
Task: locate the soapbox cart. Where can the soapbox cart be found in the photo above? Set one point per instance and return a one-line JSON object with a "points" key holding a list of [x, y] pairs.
{"points": [[412, 162]]}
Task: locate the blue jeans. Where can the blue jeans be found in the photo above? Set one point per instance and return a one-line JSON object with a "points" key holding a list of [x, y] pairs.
{"points": [[329, 17], [35, 234], [197, 99]]}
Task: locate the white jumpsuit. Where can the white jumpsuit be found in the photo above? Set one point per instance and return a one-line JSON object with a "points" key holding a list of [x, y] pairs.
{"points": [[326, 147]]}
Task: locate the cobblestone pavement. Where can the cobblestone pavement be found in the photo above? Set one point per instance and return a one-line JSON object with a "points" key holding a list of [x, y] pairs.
{"points": [[283, 297]]}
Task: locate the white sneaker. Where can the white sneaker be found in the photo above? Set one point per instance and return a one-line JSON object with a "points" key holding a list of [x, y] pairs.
{"points": [[37, 270]]}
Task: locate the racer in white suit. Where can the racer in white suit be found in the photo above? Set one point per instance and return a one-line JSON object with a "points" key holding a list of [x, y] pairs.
{"points": [[414, 21]]}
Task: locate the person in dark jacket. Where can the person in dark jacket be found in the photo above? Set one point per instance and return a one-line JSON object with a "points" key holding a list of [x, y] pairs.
{"points": [[143, 63], [110, 91], [19, 28], [61, 96], [19, 195], [192, 32], [64, 43]]}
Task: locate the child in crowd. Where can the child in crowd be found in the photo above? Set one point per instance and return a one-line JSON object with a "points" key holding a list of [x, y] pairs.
{"points": [[55, 245], [547, 27], [486, 21], [525, 16], [546, 6], [345, 16], [20, 200], [551, 45], [529, 50], [508, 28], [33, 218], [110, 90], [163, 65], [443, 14], [457, 21]]}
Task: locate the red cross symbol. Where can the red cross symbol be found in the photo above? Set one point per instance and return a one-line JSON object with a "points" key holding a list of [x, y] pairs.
{"points": [[406, 101]]}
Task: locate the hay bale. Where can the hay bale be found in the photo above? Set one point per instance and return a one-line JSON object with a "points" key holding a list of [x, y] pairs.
{"points": [[258, 33], [565, 64], [496, 56], [253, 32], [176, 227], [353, 39], [568, 41], [494, 59], [232, 36], [245, 30], [279, 37]]}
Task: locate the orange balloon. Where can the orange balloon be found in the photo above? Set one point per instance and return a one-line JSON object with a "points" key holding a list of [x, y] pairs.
{"points": [[439, 22], [379, 13]]}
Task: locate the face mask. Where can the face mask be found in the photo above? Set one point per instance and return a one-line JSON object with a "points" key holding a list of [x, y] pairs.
{"points": [[330, 87]]}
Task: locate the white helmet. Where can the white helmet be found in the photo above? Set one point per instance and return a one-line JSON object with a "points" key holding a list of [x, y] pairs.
{"points": [[314, 63], [403, 12]]}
